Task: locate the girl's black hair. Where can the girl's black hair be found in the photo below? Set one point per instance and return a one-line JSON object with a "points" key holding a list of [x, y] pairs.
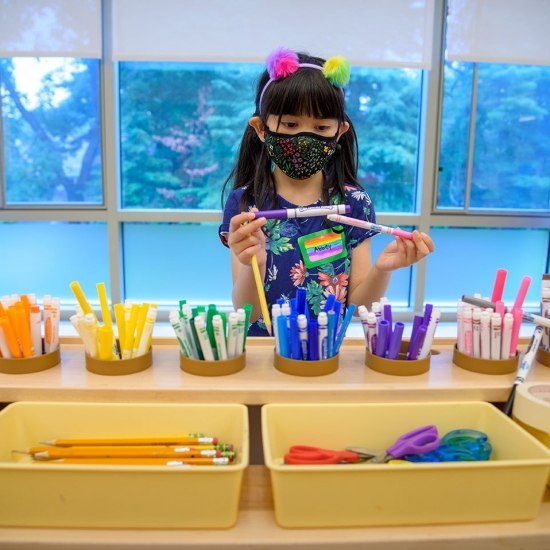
{"points": [[305, 92]]}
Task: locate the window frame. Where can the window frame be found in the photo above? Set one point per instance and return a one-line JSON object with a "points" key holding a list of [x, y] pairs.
{"points": [[427, 214]]}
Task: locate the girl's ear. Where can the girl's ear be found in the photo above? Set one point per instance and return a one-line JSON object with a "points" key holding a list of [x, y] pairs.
{"points": [[344, 127], [258, 125]]}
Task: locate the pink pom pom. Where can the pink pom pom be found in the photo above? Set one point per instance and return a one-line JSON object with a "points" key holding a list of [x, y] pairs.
{"points": [[281, 63]]}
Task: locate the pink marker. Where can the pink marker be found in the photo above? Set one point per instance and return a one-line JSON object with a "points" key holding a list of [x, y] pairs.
{"points": [[498, 288], [500, 309], [524, 287], [372, 226]]}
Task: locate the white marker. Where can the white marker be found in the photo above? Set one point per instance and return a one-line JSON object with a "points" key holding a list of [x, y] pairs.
{"points": [[232, 321], [150, 319], [467, 330], [476, 331], [485, 324], [507, 325], [496, 330], [219, 336], [204, 341], [302, 334], [322, 320]]}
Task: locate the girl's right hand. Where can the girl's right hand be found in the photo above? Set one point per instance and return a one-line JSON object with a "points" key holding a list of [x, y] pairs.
{"points": [[246, 239]]}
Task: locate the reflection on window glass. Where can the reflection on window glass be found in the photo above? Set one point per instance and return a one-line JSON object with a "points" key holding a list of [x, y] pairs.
{"points": [[182, 124], [51, 130], [467, 260], [511, 161], [182, 262], [455, 128], [45, 257], [511, 165], [383, 105]]}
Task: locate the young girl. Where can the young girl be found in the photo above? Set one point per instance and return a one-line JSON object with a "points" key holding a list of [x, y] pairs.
{"points": [[300, 149]]}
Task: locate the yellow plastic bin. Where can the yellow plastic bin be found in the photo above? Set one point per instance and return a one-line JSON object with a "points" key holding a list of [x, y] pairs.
{"points": [[195, 497], [508, 487]]}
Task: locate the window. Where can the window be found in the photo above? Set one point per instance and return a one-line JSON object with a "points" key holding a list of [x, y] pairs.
{"points": [[51, 131]]}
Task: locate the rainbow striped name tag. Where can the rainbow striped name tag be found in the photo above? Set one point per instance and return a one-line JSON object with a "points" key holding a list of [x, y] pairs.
{"points": [[322, 247]]}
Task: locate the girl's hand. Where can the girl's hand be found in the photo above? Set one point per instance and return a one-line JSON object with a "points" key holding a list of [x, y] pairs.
{"points": [[248, 239], [404, 252]]}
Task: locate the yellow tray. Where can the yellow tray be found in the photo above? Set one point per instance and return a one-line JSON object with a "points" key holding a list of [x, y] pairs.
{"points": [[144, 497], [508, 487]]}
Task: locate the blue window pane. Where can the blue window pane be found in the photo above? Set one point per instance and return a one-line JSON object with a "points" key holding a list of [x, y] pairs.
{"points": [[51, 130], [455, 129], [182, 125], [466, 261], [45, 257], [164, 263], [511, 163], [384, 106], [399, 291]]}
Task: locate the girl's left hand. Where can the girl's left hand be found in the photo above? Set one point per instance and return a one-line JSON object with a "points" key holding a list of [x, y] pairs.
{"points": [[404, 252]]}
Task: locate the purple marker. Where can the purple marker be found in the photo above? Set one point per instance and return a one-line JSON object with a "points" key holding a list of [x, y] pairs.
{"points": [[395, 341], [382, 340], [303, 212], [417, 321], [388, 317], [416, 345], [427, 314]]}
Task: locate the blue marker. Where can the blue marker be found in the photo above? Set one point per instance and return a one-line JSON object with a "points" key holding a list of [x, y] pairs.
{"points": [[313, 340], [329, 303], [301, 301], [295, 349], [344, 327], [322, 320], [282, 335], [337, 307], [330, 334]]}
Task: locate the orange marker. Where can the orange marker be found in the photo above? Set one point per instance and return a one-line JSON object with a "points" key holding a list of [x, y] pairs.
{"points": [[26, 307], [10, 337], [12, 318], [24, 333]]}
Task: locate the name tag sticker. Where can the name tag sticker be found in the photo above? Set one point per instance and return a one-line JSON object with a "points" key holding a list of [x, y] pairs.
{"points": [[322, 247]]}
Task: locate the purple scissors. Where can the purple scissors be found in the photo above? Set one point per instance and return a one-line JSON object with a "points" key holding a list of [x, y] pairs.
{"points": [[419, 441]]}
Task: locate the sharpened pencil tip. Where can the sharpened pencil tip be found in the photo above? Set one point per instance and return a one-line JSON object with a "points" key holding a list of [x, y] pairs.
{"points": [[51, 442], [23, 451]]}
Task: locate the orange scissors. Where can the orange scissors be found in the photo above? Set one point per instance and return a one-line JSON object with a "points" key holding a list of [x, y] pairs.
{"points": [[304, 454]]}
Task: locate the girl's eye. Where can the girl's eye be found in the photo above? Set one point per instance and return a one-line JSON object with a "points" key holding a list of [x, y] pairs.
{"points": [[323, 128], [289, 124]]}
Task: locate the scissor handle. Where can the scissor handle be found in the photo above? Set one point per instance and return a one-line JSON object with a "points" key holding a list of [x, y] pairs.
{"points": [[419, 441], [305, 454]]}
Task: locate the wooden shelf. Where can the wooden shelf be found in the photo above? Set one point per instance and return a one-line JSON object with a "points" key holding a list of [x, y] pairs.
{"points": [[256, 528], [259, 382]]}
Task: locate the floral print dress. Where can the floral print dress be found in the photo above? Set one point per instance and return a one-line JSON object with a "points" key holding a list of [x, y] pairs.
{"points": [[306, 253]]}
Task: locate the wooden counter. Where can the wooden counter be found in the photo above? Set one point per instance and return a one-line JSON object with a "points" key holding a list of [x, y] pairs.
{"points": [[259, 382]]}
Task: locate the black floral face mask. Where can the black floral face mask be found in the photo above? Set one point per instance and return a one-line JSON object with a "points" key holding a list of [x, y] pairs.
{"points": [[302, 155]]}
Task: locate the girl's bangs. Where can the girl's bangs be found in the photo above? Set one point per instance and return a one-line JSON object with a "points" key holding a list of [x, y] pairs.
{"points": [[304, 94]]}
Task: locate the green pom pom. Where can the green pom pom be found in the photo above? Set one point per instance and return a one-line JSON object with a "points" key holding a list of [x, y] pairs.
{"points": [[337, 70]]}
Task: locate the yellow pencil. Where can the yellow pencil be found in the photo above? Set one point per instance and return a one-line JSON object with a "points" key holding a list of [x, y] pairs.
{"points": [[139, 461], [261, 292], [177, 439], [127, 452]]}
